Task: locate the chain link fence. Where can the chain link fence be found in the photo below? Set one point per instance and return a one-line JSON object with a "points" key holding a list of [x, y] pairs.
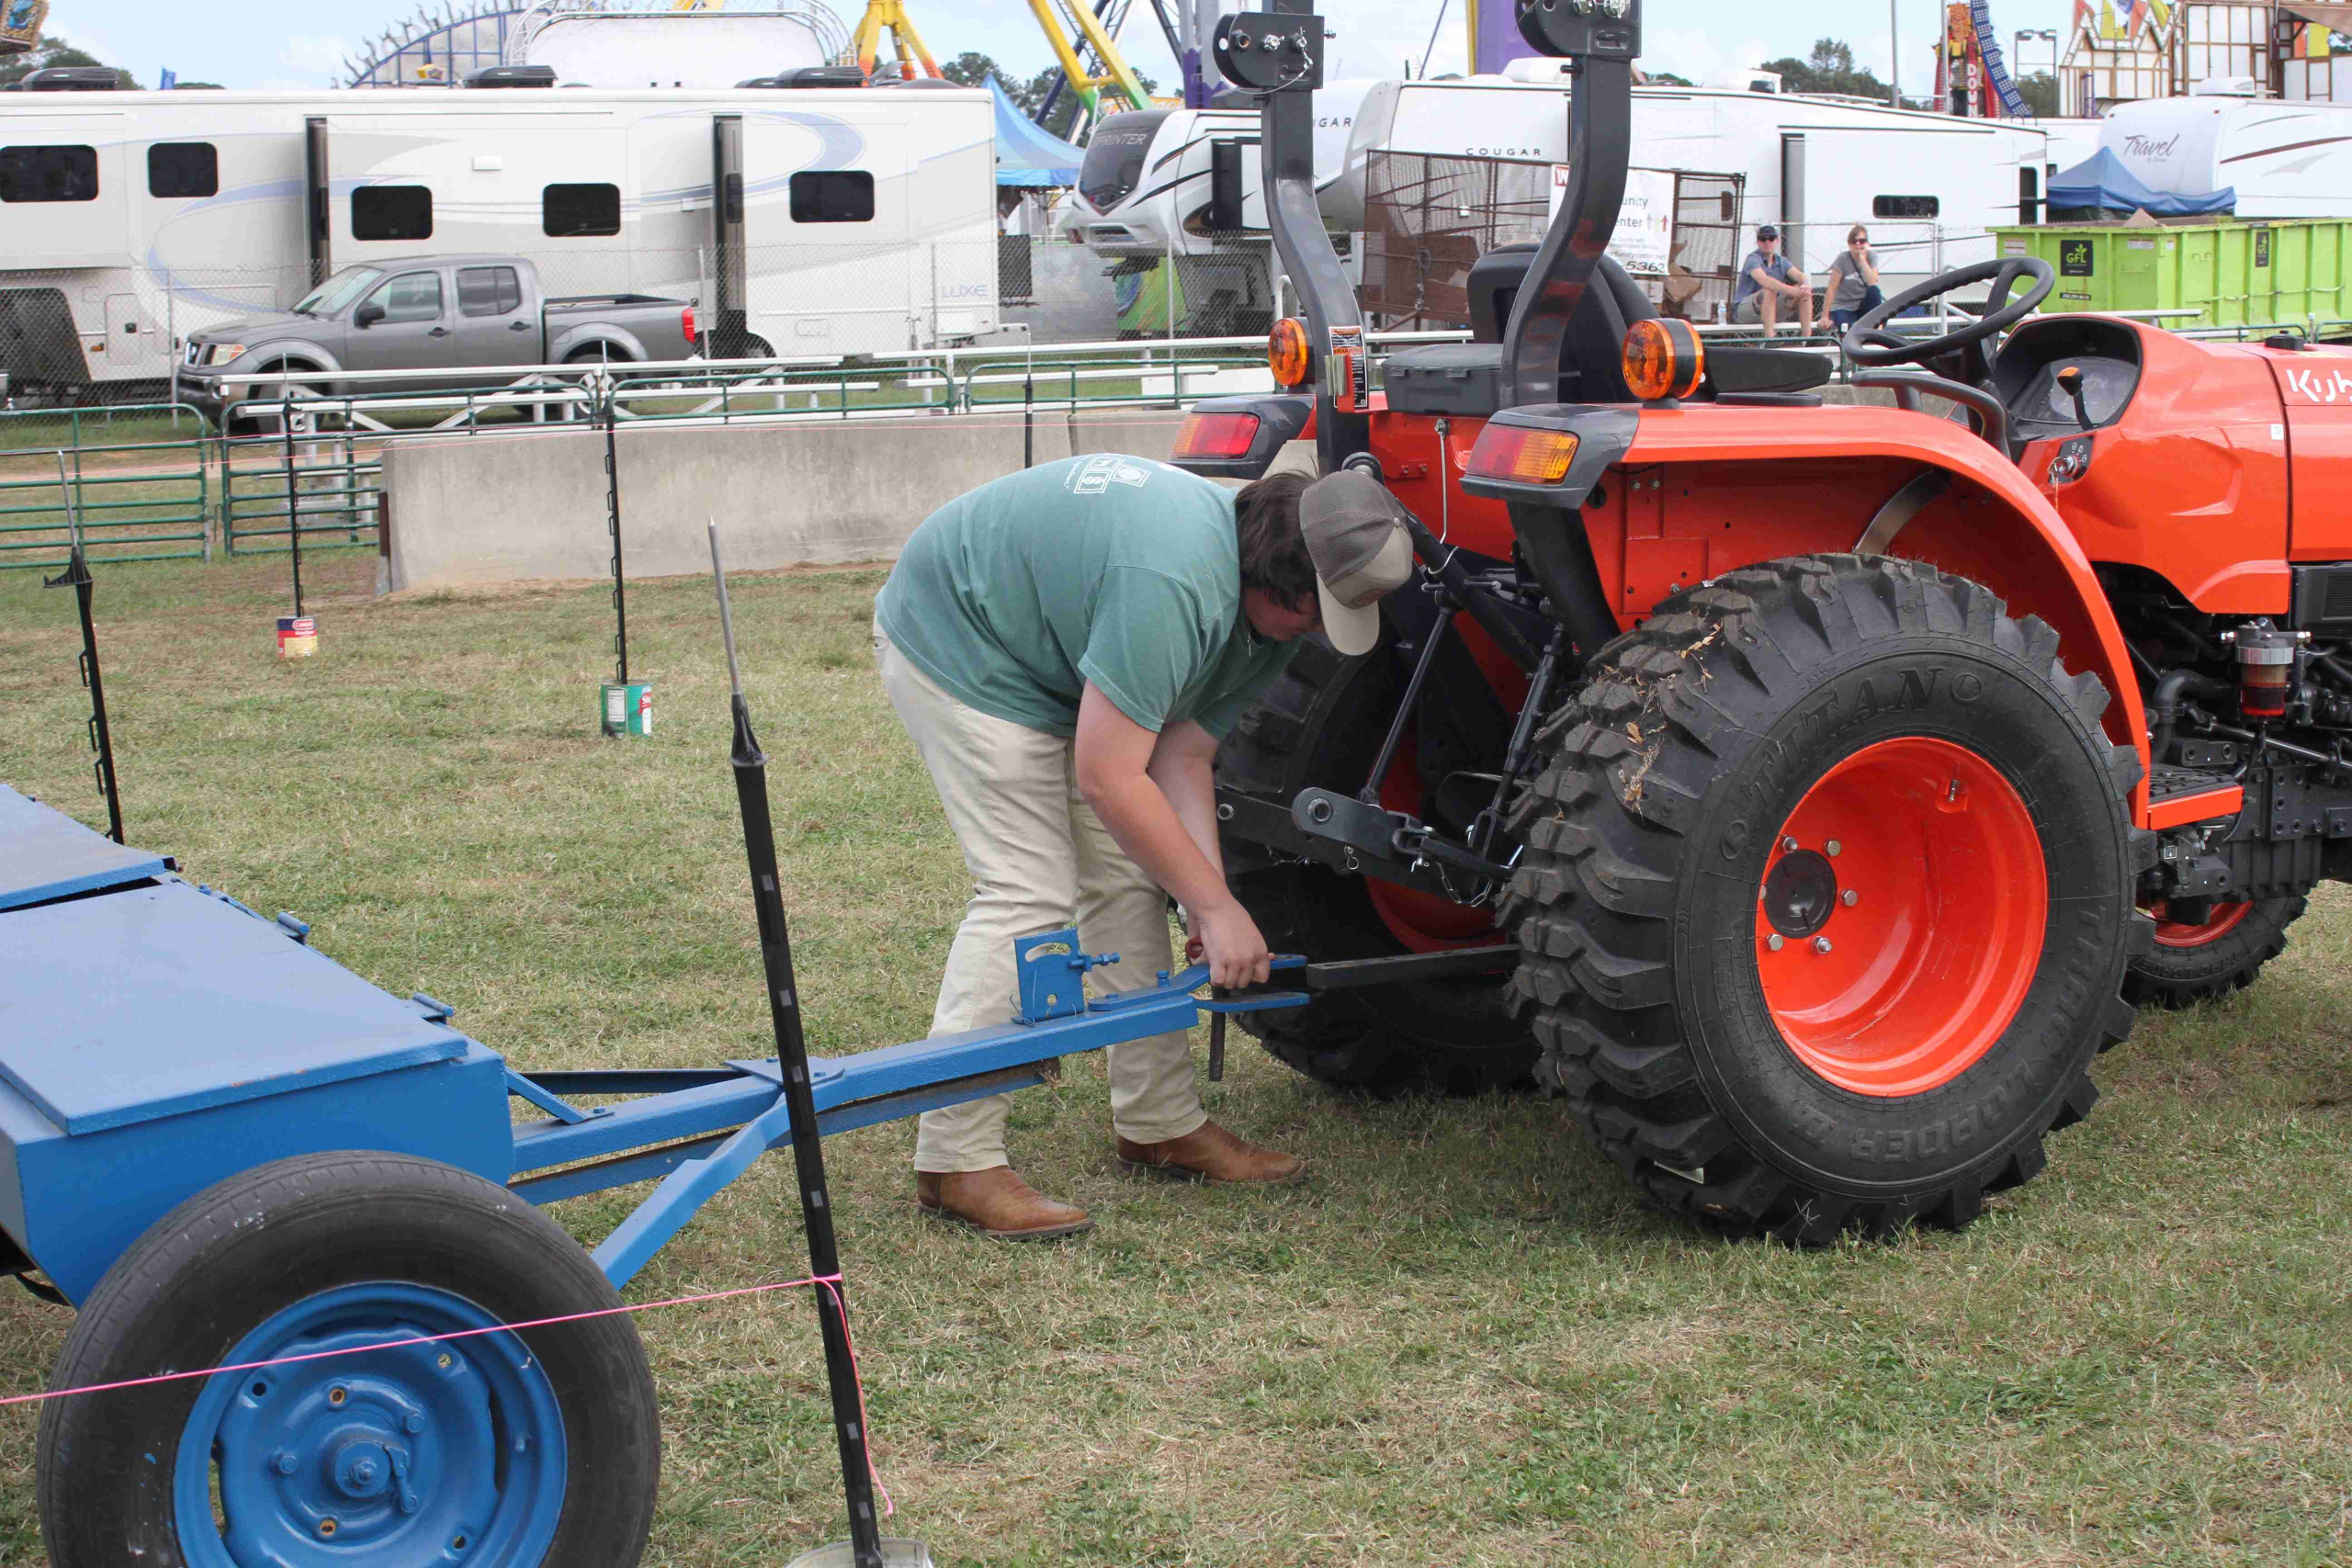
{"points": [[1427, 221]]}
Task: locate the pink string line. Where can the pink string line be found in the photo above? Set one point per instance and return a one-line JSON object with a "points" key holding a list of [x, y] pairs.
{"points": [[830, 1281]]}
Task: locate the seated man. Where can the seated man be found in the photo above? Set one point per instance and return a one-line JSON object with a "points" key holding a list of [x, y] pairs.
{"points": [[1066, 646], [1771, 286]]}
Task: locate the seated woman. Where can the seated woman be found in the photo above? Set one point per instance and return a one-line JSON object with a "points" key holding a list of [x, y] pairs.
{"points": [[1853, 280]]}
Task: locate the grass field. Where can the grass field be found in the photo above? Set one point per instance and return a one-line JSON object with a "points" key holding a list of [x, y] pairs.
{"points": [[1464, 1342]]}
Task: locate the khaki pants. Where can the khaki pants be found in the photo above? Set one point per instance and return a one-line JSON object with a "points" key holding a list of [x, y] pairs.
{"points": [[1040, 860]]}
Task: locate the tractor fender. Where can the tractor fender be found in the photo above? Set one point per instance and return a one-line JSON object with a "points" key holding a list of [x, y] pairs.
{"points": [[1826, 479]]}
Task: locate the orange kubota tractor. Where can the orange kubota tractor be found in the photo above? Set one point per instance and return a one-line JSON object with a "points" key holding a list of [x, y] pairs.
{"points": [[1807, 793]]}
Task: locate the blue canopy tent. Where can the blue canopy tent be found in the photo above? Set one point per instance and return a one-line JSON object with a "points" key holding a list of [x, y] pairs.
{"points": [[2101, 183], [1026, 155]]}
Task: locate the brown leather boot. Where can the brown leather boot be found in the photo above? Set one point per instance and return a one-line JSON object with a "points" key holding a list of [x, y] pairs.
{"points": [[1209, 1153], [996, 1202]]}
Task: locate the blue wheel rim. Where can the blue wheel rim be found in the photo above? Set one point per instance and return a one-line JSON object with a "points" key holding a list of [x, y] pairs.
{"points": [[450, 1452]]}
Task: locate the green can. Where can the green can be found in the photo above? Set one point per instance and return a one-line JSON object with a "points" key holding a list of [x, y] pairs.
{"points": [[627, 708]]}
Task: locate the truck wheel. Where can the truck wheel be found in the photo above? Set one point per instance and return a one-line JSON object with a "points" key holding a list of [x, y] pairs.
{"points": [[263, 420], [2223, 953], [1321, 725], [1828, 898], [597, 363], [508, 1449]]}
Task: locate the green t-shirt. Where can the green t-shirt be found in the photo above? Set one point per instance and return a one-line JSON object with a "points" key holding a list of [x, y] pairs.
{"points": [[1118, 571]]}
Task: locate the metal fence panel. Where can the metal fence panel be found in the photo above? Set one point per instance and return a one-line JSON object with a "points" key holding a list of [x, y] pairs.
{"points": [[328, 483], [135, 477]]}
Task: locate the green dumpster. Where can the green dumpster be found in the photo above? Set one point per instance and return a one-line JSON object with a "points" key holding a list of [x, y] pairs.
{"points": [[2233, 273]]}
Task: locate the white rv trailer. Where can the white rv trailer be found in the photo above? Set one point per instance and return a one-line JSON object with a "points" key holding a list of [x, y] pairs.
{"points": [[2285, 159], [866, 221], [1145, 188], [1929, 186]]}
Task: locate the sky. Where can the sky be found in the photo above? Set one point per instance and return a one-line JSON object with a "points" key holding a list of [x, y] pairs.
{"points": [[283, 44]]}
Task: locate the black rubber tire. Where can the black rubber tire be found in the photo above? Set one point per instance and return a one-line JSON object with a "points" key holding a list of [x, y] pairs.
{"points": [[1647, 835], [1321, 725], [2182, 976], [212, 1270]]}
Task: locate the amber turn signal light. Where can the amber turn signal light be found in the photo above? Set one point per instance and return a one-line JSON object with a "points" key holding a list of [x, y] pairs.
{"points": [[1517, 454], [1663, 359], [1216, 435], [1287, 352]]}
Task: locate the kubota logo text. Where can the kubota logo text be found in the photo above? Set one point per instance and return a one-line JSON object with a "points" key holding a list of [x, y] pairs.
{"points": [[2320, 386]]}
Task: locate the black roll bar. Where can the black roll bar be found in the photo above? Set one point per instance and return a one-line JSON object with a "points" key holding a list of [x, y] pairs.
{"points": [[1277, 55], [1599, 39]]}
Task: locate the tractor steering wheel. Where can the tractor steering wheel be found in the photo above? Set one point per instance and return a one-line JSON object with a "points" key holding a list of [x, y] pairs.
{"points": [[1868, 342]]}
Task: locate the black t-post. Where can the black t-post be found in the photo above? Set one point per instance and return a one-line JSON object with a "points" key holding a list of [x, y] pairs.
{"points": [[293, 504], [77, 576], [792, 1063], [612, 522]]}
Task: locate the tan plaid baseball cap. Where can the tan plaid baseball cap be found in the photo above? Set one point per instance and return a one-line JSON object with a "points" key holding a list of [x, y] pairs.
{"points": [[1355, 533]]}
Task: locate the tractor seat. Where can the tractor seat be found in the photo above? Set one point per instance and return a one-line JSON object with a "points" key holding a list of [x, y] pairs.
{"points": [[1467, 378]]}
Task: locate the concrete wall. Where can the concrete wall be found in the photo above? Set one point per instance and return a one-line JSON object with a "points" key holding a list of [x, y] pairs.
{"points": [[488, 509]]}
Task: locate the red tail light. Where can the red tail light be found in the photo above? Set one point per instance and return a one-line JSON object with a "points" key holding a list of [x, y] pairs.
{"points": [[687, 325], [1216, 435], [1518, 454]]}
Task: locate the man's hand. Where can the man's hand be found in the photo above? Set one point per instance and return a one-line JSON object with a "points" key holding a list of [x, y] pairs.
{"points": [[1155, 795], [1236, 952]]}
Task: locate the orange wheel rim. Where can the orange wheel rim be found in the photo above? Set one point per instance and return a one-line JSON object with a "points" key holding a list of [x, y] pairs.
{"points": [[2174, 933], [1902, 917]]}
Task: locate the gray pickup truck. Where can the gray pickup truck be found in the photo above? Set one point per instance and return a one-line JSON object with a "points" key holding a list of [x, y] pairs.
{"points": [[480, 316]]}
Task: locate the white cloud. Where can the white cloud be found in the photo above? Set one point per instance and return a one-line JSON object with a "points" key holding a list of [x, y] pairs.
{"points": [[1697, 54]]}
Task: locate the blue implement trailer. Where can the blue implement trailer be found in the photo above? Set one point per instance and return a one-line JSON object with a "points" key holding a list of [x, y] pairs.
{"points": [[224, 1147]]}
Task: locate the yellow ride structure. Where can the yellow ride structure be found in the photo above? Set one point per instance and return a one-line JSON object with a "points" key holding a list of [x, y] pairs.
{"points": [[1115, 71], [890, 17]]}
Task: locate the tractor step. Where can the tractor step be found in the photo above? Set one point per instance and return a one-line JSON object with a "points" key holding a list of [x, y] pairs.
{"points": [[2179, 796]]}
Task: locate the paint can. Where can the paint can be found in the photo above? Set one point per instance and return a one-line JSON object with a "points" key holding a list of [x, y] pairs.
{"points": [[628, 708], [298, 637]]}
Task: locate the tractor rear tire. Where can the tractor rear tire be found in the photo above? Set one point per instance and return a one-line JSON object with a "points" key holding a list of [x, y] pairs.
{"points": [[1321, 725], [515, 1449], [2194, 964], [1775, 1032]]}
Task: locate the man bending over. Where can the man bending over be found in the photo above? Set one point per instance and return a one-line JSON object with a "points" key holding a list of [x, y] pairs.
{"points": [[1066, 646]]}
